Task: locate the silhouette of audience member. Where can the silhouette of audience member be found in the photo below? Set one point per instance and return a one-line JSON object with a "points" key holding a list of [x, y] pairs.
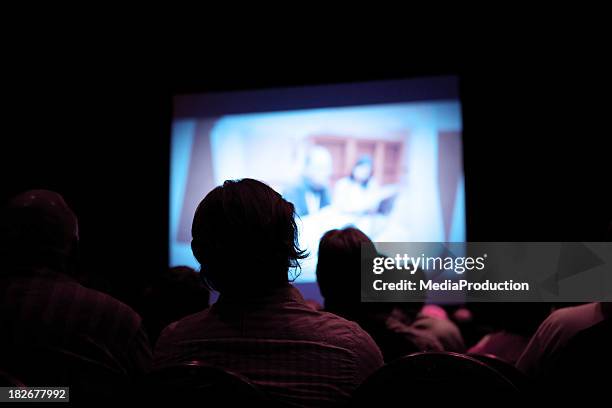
{"points": [[177, 292], [245, 238], [512, 326], [584, 364], [312, 192], [338, 276], [55, 331], [551, 346], [439, 327], [552, 337]]}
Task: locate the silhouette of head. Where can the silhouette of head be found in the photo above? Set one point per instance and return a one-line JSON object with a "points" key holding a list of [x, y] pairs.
{"points": [[245, 237], [339, 266], [38, 229], [339, 273], [175, 293]]}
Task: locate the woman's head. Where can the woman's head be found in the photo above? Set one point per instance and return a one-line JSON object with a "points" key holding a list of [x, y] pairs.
{"points": [[362, 170], [245, 237]]}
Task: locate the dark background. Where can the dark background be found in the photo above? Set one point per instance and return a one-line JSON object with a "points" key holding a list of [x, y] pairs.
{"points": [[95, 127]]}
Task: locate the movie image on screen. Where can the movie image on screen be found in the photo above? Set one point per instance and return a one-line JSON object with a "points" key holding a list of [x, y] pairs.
{"points": [[393, 170]]}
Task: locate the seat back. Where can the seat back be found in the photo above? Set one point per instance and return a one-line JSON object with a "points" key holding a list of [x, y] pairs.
{"points": [[87, 378], [197, 381], [434, 376], [583, 365], [9, 380], [512, 374]]}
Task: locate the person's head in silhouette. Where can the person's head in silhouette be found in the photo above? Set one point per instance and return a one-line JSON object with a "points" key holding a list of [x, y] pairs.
{"points": [[245, 238], [173, 294], [339, 272], [38, 230], [339, 265]]}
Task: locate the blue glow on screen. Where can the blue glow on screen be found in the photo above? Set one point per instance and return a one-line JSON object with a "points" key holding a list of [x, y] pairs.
{"points": [[415, 149]]}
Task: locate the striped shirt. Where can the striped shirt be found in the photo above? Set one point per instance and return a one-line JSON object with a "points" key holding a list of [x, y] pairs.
{"points": [[300, 356], [52, 327]]}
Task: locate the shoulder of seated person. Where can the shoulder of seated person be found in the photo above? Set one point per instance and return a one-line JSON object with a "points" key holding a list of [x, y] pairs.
{"points": [[445, 324], [94, 296], [339, 323], [423, 340], [572, 314], [193, 318], [566, 321]]}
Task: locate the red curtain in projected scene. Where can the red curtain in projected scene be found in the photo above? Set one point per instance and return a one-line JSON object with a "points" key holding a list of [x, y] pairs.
{"points": [[450, 169]]}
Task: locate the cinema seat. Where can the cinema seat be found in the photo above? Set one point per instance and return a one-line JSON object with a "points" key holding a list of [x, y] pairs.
{"points": [[584, 364], [435, 376], [197, 381], [9, 380], [512, 374], [88, 379]]}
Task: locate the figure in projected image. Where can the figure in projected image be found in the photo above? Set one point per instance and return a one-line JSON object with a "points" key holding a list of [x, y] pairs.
{"points": [[359, 193], [311, 193]]}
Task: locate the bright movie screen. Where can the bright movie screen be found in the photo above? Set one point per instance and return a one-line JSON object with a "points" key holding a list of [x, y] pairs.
{"points": [[383, 157]]}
